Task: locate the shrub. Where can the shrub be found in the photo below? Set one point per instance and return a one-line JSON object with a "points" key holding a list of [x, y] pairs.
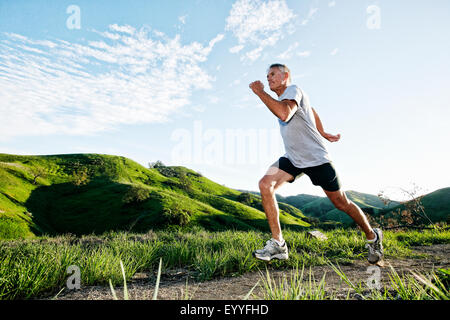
{"points": [[185, 182], [156, 165], [80, 176], [136, 194], [245, 198], [176, 216]]}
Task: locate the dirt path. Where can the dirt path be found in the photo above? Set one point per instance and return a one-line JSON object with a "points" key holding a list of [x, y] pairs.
{"points": [[173, 284]]}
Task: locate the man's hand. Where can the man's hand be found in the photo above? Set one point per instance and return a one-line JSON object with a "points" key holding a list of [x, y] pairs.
{"points": [[257, 87], [331, 137]]}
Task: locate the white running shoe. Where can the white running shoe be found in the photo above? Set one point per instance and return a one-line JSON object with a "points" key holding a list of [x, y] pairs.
{"points": [[375, 247], [272, 250]]}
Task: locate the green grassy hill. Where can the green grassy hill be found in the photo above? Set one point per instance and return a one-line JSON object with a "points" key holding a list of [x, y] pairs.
{"points": [[435, 204], [321, 212], [321, 208], [324, 210], [299, 200], [93, 193]]}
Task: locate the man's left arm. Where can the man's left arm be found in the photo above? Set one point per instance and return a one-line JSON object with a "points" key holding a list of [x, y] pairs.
{"points": [[319, 126]]}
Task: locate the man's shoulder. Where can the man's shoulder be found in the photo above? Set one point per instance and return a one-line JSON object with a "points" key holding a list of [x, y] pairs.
{"points": [[290, 92], [292, 87]]}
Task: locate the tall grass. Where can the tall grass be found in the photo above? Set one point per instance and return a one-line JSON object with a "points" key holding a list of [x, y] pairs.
{"points": [[297, 287], [413, 286], [33, 268]]}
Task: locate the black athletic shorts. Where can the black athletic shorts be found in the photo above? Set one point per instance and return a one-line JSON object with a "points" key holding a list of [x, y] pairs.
{"points": [[324, 175]]}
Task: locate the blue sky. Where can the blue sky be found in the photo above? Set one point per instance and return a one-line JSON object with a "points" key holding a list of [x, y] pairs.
{"points": [[168, 80]]}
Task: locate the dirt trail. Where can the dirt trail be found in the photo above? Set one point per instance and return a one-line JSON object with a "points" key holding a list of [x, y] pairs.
{"points": [[173, 284]]}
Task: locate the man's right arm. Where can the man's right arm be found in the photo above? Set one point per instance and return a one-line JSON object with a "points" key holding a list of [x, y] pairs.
{"points": [[283, 110]]}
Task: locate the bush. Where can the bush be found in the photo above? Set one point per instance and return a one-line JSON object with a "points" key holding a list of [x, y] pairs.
{"points": [[12, 229], [245, 198], [136, 194], [156, 165], [80, 177], [175, 215], [185, 183]]}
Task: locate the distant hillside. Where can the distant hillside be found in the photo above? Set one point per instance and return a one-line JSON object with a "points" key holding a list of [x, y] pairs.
{"points": [[324, 210], [93, 193], [299, 200], [436, 206], [321, 209]]}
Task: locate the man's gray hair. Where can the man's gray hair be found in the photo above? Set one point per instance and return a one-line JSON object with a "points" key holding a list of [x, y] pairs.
{"points": [[283, 68]]}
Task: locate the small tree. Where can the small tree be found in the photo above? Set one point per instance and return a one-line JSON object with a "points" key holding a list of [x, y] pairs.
{"points": [[185, 182], [412, 214], [37, 172], [155, 165]]}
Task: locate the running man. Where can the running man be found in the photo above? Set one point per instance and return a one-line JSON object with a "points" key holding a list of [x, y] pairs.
{"points": [[301, 130]]}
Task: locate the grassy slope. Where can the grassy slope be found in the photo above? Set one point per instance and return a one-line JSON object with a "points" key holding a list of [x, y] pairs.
{"points": [[51, 203], [323, 209], [436, 205]]}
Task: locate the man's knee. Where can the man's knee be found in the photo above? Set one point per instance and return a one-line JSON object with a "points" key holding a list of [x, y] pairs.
{"points": [[266, 185]]}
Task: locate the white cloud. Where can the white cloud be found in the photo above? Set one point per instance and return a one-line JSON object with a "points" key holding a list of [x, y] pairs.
{"points": [[293, 50], [217, 39], [124, 29], [332, 4], [252, 55], [258, 23], [304, 53], [289, 52], [182, 19], [127, 77], [311, 13], [334, 52], [236, 49]]}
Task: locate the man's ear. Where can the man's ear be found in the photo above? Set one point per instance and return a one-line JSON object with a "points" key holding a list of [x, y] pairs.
{"points": [[286, 77]]}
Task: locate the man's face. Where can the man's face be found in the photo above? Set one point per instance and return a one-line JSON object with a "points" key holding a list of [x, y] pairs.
{"points": [[276, 78]]}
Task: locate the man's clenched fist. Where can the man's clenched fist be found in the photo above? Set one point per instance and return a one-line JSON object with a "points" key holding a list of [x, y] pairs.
{"points": [[257, 87]]}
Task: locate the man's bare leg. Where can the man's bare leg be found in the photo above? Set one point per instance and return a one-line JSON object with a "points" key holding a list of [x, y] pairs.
{"points": [[273, 179], [341, 202], [272, 212]]}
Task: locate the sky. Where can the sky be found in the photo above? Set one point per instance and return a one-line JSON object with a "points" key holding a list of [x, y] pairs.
{"points": [[168, 81]]}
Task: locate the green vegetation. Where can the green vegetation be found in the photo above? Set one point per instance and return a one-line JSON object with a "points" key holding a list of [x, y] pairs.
{"points": [[420, 210], [33, 267], [430, 208], [96, 211], [93, 193], [298, 287], [322, 213]]}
